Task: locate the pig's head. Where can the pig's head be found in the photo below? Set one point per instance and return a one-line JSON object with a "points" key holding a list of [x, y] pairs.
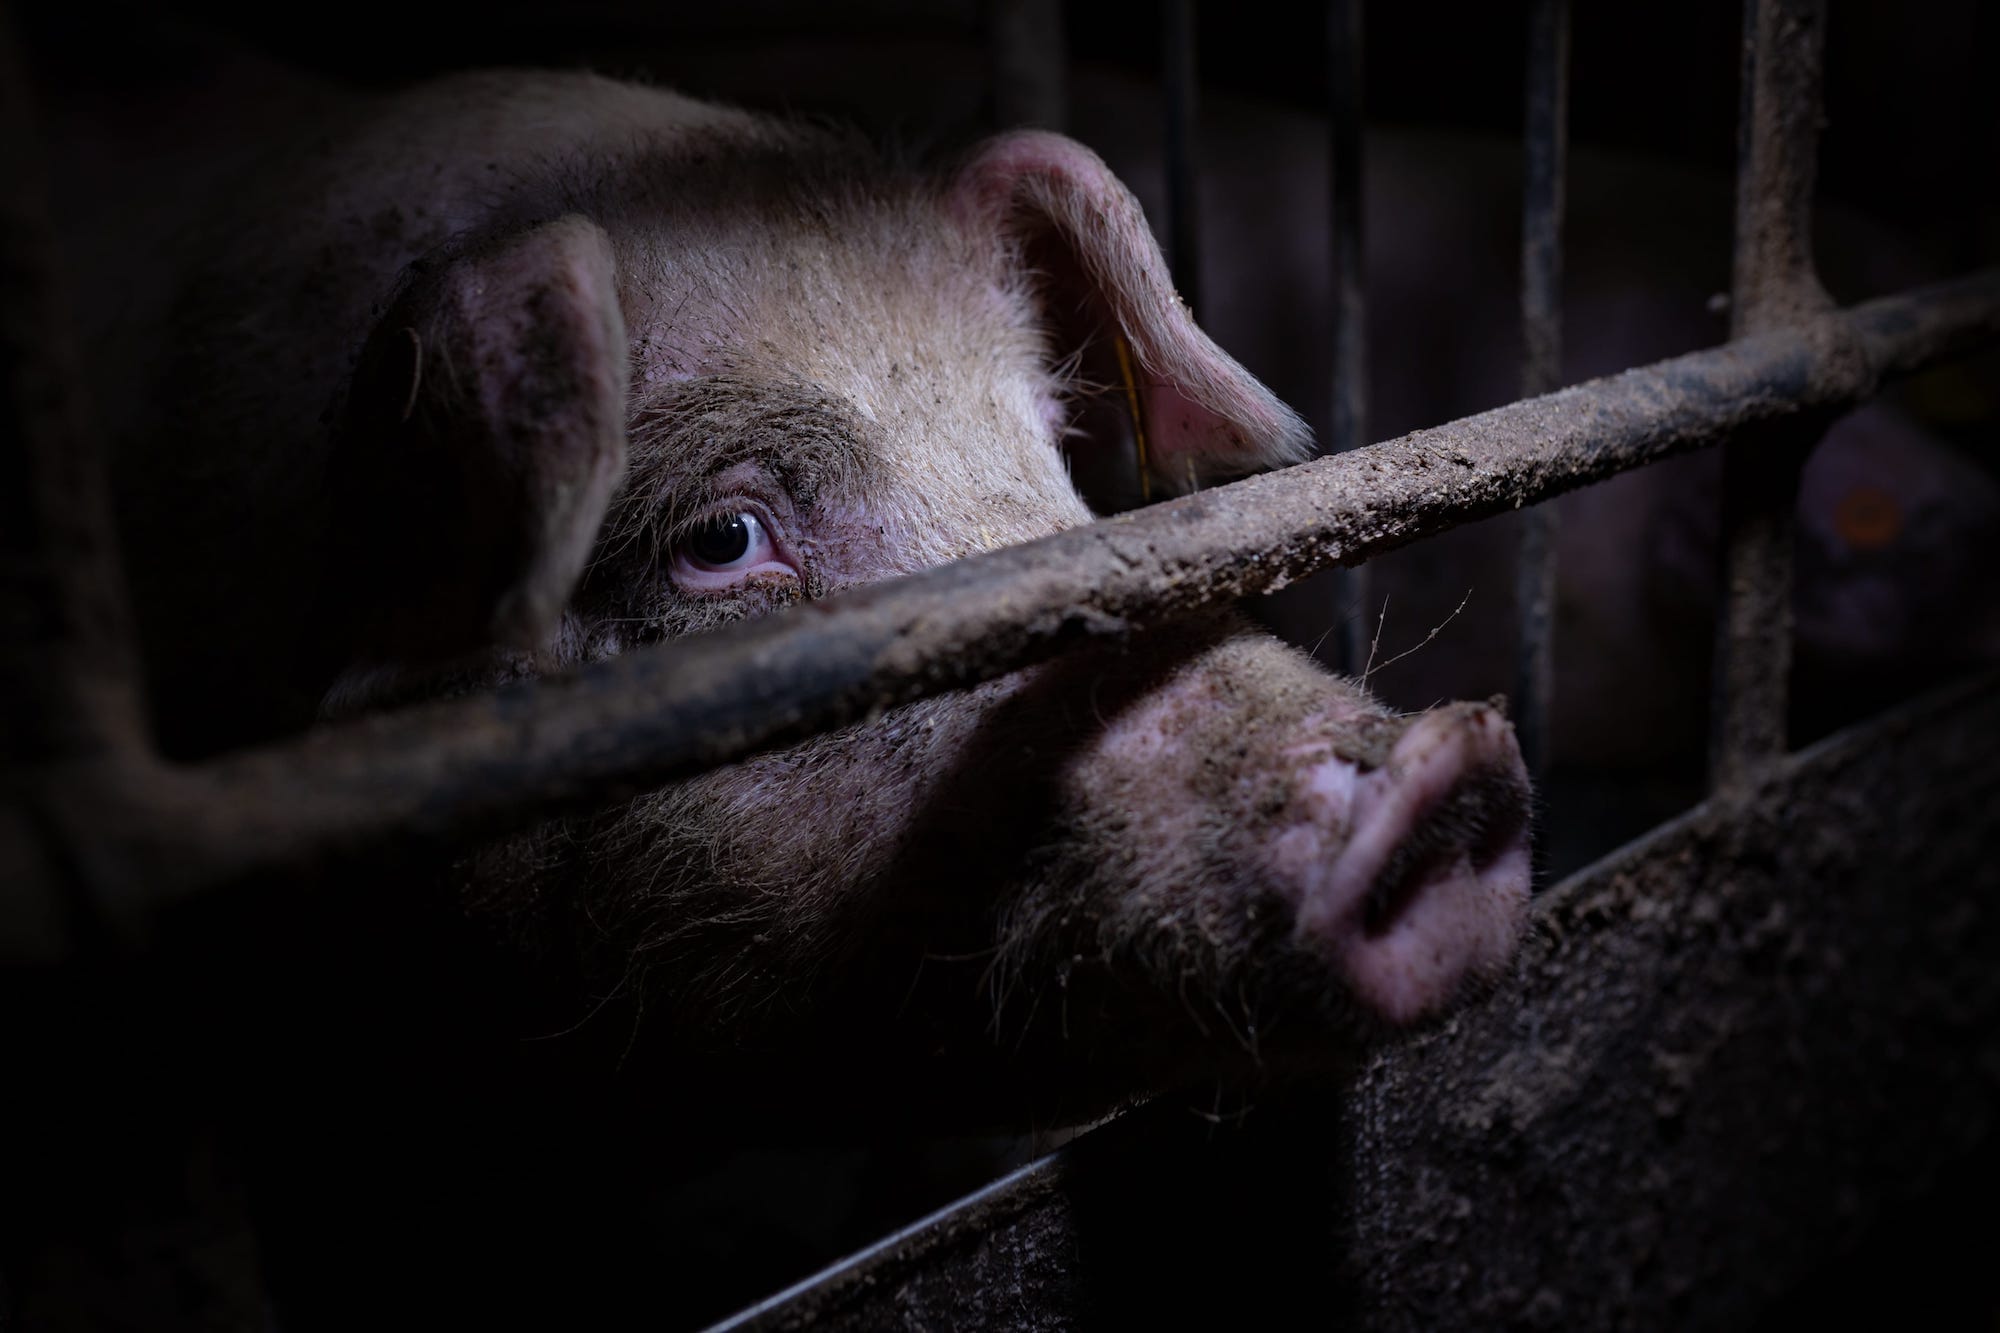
{"points": [[773, 369]]}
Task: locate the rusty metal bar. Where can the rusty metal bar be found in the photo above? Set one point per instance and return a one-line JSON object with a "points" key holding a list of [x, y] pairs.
{"points": [[68, 669], [1028, 63], [1773, 285], [663, 713], [1547, 152], [1344, 46], [1715, 1064], [1180, 88], [970, 1216]]}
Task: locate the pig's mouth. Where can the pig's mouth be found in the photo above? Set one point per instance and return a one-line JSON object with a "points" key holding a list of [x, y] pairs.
{"points": [[1428, 892]]}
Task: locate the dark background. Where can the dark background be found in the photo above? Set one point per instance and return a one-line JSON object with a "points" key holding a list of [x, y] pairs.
{"points": [[1908, 99]]}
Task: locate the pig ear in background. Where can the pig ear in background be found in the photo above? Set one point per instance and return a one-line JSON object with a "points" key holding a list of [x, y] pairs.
{"points": [[484, 434], [1101, 276]]}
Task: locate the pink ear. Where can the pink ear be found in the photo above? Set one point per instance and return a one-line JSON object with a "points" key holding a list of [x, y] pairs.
{"points": [[1204, 414], [484, 435]]}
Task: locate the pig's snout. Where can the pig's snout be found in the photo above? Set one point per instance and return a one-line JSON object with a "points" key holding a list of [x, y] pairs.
{"points": [[1411, 875]]}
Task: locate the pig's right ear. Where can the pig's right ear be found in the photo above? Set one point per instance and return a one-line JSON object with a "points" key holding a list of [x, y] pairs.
{"points": [[1102, 281], [483, 436]]}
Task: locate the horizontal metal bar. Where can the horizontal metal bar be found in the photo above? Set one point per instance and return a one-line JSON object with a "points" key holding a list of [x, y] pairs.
{"points": [[665, 713], [1724, 1048], [966, 1217]]}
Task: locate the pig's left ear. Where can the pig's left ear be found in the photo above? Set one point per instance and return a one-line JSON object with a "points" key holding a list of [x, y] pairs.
{"points": [[1101, 278]]}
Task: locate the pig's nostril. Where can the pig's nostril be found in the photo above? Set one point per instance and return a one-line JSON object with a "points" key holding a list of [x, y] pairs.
{"points": [[1506, 834], [1479, 823], [1394, 890]]}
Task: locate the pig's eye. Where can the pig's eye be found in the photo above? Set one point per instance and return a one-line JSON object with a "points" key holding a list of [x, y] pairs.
{"points": [[724, 550], [724, 541]]}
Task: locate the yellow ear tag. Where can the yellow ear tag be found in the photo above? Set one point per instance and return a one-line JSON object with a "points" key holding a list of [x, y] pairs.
{"points": [[1132, 405]]}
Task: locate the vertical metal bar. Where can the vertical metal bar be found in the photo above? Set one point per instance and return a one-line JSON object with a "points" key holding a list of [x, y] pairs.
{"points": [[1350, 334], [1183, 208], [1028, 63], [1546, 135], [69, 680], [1773, 285]]}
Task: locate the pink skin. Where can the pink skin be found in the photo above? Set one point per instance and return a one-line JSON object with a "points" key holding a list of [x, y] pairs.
{"points": [[1403, 951]]}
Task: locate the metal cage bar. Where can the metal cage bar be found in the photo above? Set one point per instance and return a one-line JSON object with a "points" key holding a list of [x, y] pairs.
{"points": [[1027, 63], [1547, 155], [1773, 285], [1180, 89], [68, 668], [1344, 39]]}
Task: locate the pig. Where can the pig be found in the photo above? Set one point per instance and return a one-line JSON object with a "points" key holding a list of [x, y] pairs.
{"points": [[515, 372]]}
